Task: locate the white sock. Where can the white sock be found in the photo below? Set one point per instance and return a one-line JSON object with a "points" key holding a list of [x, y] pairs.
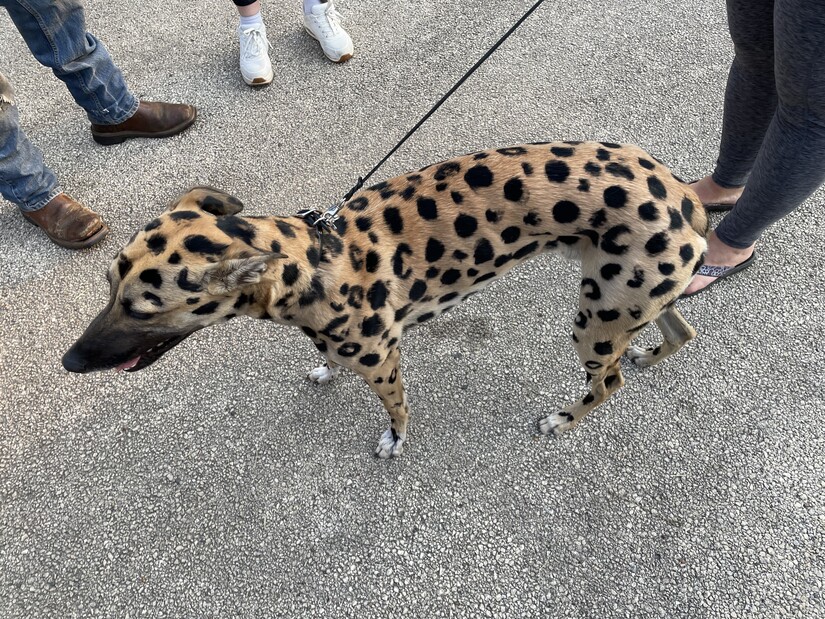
{"points": [[308, 4], [252, 21]]}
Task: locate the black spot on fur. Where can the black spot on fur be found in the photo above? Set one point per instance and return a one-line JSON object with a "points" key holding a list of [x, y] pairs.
{"points": [[602, 155], [393, 218], [599, 218], [275, 247], [603, 348], [446, 170], [622, 171], [398, 261], [657, 189], [609, 244], [358, 204], [465, 225], [666, 268], [676, 221], [199, 244], [370, 360], [478, 176], [206, 308], [174, 258], [556, 171], [512, 151], [657, 243], [483, 252], [594, 169], [156, 243], [565, 212], [434, 251], [237, 228], [648, 211], [151, 276], [363, 223], [153, 299], [615, 197], [532, 219], [124, 265], [686, 253], [528, 169], [687, 209], [450, 276], [425, 317], [356, 257], [513, 190], [350, 349], [584, 185], [447, 297], [183, 215], [457, 197], [492, 216], [290, 274], [313, 256], [595, 292], [285, 228], [608, 315], [610, 270], [185, 284], [418, 289], [372, 326], [526, 250], [638, 278], [377, 295], [580, 321], [372, 262], [662, 288], [511, 234], [562, 151], [427, 208]]}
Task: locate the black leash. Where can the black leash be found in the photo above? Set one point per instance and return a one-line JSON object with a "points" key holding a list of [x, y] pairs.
{"points": [[326, 221]]}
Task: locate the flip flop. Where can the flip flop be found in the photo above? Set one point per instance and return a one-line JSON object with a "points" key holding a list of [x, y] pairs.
{"points": [[714, 207], [719, 273]]}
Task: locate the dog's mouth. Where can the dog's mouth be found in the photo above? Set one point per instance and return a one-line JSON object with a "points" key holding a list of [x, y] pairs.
{"points": [[148, 357]]}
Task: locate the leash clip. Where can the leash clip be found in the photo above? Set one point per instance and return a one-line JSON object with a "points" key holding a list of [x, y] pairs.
{"points": [[322, 222]]}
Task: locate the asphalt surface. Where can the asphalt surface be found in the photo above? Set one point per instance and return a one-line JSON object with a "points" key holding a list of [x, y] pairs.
{"points": [[219, 483]]}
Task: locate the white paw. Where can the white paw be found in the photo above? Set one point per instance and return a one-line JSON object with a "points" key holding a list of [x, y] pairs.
{"points": [[389, 447], [639, 356], [323, 374], [556, 423]]}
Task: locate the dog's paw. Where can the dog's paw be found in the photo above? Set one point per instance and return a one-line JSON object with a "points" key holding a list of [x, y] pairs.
{"points": [[556, 423], [389, 446], [323, 374], [640, 357]]}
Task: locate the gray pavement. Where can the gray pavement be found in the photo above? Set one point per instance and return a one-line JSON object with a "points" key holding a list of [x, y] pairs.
{"points": [[219, 483]]}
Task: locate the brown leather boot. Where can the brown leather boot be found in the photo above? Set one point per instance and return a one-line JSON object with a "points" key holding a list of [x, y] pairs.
{"points": [[68, 223], [151, 120]]}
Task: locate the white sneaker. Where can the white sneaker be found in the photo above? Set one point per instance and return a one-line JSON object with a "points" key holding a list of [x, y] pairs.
{"points": [[256, 68], [323, 23]]}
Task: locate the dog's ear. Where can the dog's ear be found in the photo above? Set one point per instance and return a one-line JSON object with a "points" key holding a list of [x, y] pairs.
{"points": [[233, 273], [213, 201]]}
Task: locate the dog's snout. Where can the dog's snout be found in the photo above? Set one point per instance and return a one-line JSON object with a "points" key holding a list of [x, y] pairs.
{"points": [[73, 361]]}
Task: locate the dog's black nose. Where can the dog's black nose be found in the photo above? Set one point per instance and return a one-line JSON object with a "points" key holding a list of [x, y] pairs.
{"points": [[74, 361]]}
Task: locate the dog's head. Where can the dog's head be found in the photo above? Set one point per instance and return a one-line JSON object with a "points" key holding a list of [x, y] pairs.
{"points": [[192, 267]]}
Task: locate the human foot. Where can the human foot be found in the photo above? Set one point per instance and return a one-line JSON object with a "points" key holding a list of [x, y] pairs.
{"points": [[715, 197], [721, 261]]}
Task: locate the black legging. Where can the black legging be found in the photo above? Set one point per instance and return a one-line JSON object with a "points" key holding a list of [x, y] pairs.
{"points": [[773, 130]]}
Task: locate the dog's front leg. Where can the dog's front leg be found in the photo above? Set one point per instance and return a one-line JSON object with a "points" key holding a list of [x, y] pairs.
{"points": [[386, 381]]}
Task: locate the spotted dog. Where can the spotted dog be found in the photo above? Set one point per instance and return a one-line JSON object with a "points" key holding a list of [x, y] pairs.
{"points": [[407, 250]]}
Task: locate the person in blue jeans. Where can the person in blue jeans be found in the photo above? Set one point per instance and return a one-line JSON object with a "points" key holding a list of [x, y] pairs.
{"points": [[55, 32], [772, 152]]}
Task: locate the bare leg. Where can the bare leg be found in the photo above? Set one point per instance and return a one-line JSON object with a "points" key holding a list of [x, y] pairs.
{"points": [[676, 332]]}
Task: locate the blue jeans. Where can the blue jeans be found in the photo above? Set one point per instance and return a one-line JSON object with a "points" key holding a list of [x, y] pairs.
{"points": [[55, 32]]}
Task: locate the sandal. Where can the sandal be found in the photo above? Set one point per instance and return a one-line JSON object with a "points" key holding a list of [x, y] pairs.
{"points": [[719, 273]]}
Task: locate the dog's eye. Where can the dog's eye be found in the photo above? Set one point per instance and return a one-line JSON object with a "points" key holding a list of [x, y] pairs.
{"points": [[133, 313]]}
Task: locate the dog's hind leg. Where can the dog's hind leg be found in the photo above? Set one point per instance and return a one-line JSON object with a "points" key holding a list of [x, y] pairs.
{"points": [[676, 332], [386, 381], [324, 373]]}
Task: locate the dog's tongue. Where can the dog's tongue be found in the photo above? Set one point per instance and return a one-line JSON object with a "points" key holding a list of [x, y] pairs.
{"points": [[129, 364]]}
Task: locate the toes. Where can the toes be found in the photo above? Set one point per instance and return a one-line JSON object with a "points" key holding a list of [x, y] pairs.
{"points": [[322, 375], [556, 423], [389, 446]]}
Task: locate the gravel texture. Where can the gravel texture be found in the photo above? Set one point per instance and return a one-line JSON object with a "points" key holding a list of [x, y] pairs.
{"points": [[219, 483]]}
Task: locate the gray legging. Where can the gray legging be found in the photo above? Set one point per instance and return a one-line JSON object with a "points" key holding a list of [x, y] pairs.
{"points": [[773, 130]]}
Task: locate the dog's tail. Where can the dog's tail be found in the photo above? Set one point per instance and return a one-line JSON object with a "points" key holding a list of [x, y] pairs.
{"points": [[699, 216]]}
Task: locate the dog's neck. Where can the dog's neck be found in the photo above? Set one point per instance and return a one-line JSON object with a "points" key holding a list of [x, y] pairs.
{"points": [[298, 283]]}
